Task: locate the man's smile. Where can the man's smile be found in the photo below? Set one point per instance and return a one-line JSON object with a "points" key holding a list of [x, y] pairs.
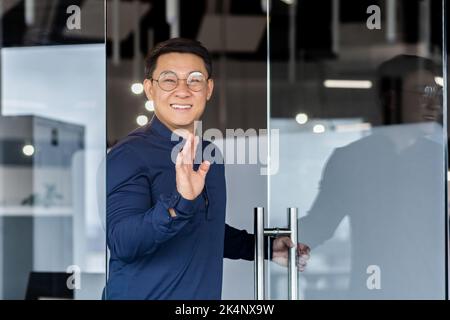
{"points": [[430, 117], [181, 106]]}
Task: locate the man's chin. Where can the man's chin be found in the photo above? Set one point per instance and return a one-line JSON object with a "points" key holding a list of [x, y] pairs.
{"points": [[429, 127], [185, 125]]}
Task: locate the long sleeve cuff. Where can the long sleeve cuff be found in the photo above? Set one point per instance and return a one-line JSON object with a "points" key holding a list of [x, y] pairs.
{"points": [[241, 245], [161, 218], [184, 208]]}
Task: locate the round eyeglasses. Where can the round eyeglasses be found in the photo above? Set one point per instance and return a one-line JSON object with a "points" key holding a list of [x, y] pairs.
{"points": [[428, 94], [168, 81]]}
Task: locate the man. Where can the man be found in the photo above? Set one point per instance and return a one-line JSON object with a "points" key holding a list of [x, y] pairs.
{"points": [[166, 226], [391, 185]]}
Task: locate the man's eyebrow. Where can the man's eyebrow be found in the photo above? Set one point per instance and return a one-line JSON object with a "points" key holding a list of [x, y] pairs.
{"points": [[164, 71], [426, 85]]}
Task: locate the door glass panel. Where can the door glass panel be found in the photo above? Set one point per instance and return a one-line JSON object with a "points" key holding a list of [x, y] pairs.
{"points": [[52, 141], [356, 94]]}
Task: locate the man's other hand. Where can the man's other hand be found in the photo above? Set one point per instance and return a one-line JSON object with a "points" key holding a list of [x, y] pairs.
{"points": [[280, 252]]}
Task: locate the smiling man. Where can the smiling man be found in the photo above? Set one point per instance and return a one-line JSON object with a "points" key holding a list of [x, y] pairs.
{"points": [[166, 226]]}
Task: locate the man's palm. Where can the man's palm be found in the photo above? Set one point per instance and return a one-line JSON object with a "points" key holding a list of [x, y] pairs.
{"points": [[190, 183]]}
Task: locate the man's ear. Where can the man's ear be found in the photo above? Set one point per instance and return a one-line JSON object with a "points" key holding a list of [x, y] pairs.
{"points": [[148, 89], [210, 89]]}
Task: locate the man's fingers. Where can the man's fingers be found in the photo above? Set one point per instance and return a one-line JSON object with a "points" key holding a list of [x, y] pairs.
{"points": [[204, 168], [303, 248], [179, 160], [303, 251], [303, 259], [301, 265], [302, 256], [287, 242]]}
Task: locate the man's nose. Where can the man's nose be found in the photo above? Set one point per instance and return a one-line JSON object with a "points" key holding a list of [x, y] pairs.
{"points": [[434, 104], [182, 90]]}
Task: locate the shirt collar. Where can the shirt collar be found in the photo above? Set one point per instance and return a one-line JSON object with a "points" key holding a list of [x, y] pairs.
{"points": [[159, 128]]}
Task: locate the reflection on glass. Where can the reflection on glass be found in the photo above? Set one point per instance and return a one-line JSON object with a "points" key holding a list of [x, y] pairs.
{"points": [[390, 185], [370, 187]]}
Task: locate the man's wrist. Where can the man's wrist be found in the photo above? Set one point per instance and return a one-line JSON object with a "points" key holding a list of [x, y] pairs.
{"points": [[172, 212], [177, 205], [185, 195]]}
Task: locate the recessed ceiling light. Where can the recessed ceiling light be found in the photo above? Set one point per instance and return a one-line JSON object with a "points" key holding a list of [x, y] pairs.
{"points": [[137, 88], [348, 84], [142, 120], [301, 118], [28, 150], [319, 128]]}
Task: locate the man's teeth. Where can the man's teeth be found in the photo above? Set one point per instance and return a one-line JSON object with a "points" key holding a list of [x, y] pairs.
{"points": [[181, 106]]}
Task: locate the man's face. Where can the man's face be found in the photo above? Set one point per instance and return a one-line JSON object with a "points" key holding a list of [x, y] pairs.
{"points": [[421, 98], [181, 106]]}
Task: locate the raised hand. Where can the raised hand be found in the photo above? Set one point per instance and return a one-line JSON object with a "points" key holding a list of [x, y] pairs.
{"points": [[190, 183]]}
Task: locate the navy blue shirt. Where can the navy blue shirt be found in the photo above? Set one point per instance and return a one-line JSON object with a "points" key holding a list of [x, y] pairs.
{"points": [[152, 254]]}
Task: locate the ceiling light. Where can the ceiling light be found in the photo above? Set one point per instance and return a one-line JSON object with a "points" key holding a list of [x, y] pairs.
{"points": [[137, 88], [142, 120], [301, 118], [319, 128], [149, 105], [28, 150], [439, 81], [348, 84]]}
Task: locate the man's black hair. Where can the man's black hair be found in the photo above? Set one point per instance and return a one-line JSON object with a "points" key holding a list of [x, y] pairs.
{"points": [[391, 76], [179, 45]]}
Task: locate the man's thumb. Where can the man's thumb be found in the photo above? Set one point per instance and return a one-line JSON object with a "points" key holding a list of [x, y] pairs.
{"points": [[204, 168], [287, 241]]}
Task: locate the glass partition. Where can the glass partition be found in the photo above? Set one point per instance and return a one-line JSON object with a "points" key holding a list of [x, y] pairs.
{"points": [[52, 142]]}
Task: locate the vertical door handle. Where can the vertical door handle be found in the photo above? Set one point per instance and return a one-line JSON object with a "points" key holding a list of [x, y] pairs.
{"points": [[259, 253], [293, 272], [259, 233]]}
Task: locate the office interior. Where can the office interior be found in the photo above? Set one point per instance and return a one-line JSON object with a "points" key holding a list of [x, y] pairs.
{"points": [[71, 77]]}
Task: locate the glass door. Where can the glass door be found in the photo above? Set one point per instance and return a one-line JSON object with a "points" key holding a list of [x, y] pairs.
{"points": [[52, 142], [357, 105]]}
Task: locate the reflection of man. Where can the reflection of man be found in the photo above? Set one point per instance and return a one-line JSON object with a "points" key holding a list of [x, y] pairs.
{"points": [[166, 221], [391, 185]]}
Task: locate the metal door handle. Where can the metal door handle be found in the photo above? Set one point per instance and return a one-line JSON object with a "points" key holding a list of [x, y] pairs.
{"points": [[260, 232]]}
